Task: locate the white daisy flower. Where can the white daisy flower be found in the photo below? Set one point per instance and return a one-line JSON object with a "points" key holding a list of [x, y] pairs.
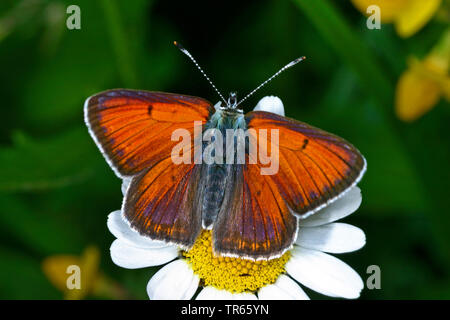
{"points": [[270, 104], [306, 264]]}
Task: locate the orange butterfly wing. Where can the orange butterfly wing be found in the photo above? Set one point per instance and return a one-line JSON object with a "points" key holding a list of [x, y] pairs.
{"points": [[315, 169], [133, 130], [256, 223], [163, 203]]}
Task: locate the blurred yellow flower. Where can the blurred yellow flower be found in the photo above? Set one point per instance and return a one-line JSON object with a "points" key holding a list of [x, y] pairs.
{"points": [[57, 269], [61, 269], [423, 84], [408, 16]]}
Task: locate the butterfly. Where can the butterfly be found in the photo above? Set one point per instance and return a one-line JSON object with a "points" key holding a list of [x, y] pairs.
{"points": [[250, 214]]}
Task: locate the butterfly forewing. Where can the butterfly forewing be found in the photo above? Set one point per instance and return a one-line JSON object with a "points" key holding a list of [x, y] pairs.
{"points": [[133, 128], [163, 203], [315, 167]]}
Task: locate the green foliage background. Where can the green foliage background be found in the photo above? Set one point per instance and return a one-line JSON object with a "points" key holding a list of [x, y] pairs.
{"points": [[56, 190]]}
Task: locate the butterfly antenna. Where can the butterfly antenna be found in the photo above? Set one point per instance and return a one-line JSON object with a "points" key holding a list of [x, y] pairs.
{"points": [[290, 64], [182, 49]]}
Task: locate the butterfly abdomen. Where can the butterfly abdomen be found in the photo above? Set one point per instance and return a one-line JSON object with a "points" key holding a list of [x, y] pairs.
{"points": [[216, 180]]}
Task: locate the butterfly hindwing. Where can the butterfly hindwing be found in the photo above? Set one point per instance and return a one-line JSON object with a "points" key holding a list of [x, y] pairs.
{"points": [[255, 222], [163, 203]]}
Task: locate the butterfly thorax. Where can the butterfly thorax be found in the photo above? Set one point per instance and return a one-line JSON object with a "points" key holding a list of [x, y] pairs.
{"points": [[216, 175]]}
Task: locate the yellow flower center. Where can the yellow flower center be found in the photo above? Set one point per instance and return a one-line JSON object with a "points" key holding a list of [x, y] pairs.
{"points": [[232, 274]]}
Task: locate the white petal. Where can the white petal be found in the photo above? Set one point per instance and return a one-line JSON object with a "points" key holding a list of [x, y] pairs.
{"points": [[218, 105], [121, 230], [339, 209], [175, 281], [128, 256], [125, 184], [243, 296], [212, 293], [283, 289], [333, 237], [270, 104], [324, 273]]}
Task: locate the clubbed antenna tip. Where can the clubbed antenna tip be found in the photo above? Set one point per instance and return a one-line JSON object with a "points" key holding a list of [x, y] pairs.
{"points": [[290, 64], [293, 63], [179, 46]]}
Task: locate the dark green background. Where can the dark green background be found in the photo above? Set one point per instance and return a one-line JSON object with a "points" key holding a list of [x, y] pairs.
{"points": [[56, 190]]}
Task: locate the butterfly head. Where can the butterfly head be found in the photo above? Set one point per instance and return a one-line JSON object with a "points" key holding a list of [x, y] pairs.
{"points": [[232, 101], [231, 105]]}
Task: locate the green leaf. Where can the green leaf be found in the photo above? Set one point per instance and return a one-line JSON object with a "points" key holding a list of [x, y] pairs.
{"points": [[52, 163], [21, 277], [332, 26], [120, 43], [391, 184], [35, 229], [109, 51]]}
